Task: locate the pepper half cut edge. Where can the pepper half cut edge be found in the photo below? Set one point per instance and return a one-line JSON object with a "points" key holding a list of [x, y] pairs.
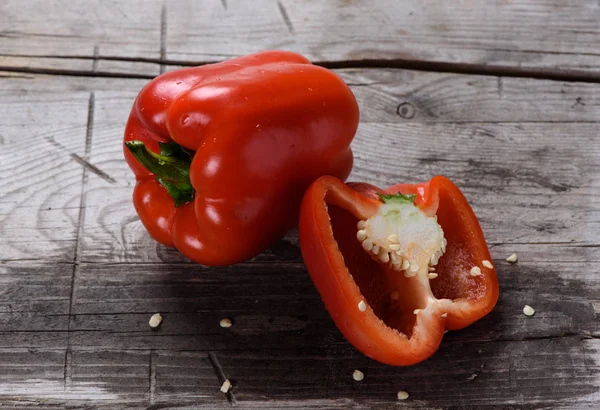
{"points": [[396, 267]]}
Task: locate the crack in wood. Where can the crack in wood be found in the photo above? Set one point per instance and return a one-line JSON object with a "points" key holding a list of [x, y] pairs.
{"points": [[584, 334], [465, 68], [214, 361], [68, 381], [551, 52], [135, 59], [500, 87], [78, 242], [95, 61], [14, 76], [93, 169], [18, 34], [83, 162], [163, 37], [285, 17], [88, 148], [405, 64], [152, 377], [74, 73]]}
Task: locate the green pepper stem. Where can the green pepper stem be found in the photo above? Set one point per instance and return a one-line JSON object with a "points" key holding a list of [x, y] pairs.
{"points": [[171, 168], [397, 198]]}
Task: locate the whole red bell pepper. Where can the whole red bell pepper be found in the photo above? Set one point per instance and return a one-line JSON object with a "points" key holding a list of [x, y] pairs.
{"points": [[223, 153], [396, 268]]}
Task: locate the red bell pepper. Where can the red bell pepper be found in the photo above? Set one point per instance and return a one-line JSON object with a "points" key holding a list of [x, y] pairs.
{"points": [[223, 153], [396, 268]]}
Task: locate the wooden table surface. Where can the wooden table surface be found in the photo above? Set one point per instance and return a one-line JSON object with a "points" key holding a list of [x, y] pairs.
{"points": [[501, 96]]}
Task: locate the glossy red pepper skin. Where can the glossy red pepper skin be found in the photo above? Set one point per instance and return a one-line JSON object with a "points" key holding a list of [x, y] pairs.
{"points": [[263, 127], [344, 274]]}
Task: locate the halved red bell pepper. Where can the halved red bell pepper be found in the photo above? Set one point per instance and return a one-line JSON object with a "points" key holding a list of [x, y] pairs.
{"points": [[395, 268], [223, 153]]}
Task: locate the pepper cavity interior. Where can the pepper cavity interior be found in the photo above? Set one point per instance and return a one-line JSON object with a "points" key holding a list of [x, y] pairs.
{"points": [[398, 238]]}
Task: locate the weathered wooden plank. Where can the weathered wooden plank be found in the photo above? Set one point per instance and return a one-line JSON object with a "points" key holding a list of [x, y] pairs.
{"points": [[62, 28], [26, 363], [36, 377], [21, 84], [392, 95], [122, 375], [506, 373], [192, 304], [19, 63], [522, 159], [401, 96], [283, 345], [112, 305], [34, 305], [556, 373], [80, 66], [543, 37], [31, 375], [176, 382], [41, 182], [507, 171]]}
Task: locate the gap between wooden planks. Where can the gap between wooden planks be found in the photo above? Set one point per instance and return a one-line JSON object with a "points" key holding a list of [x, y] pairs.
{"points": [[150, 68]]}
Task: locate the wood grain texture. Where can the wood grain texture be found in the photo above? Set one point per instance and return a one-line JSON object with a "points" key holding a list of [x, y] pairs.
{"points": [[62, 28], [74, 315], [282, 344], [542, 35], [40, 134], [192, 299], [135, 37], [34, 305]]}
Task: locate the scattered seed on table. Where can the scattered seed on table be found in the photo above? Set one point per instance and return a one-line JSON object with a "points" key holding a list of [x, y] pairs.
{"points": [[402, 395], [226, 322], [528, 310], [155, 320], [512, 258], [358, 375]]}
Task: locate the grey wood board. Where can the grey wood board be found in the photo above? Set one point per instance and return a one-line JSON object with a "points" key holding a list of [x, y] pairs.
{"points": [[510, 161], [73, 318], [41, 183], [73, 36], [136, 37], [283, 346]]}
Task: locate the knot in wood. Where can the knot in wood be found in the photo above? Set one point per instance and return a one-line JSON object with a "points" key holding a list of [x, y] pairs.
{"points": [[406, 110]]}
